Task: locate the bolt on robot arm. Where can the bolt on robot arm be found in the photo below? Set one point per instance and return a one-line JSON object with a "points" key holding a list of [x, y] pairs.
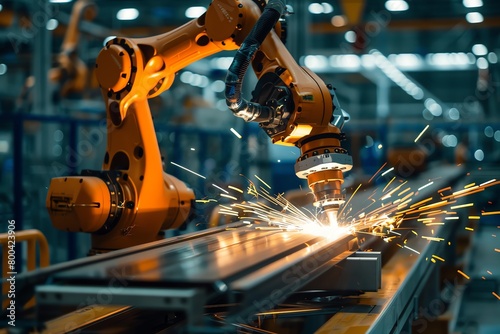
{"points": [[131, 199]]}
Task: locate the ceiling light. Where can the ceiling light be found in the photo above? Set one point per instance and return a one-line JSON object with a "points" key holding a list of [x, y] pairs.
{"points": [[339, 21], [60, 1], [315, 8], [195, 12], [396, 5], [479, 155], [492, 57], [52, 24], [316, 62], [480, 50], [488, 131], [127, 14], [474, 17], [454, 114], [482, 63], [327, 8], [408, 60], [497, 135], [4, 146], [473, 3], [350, 36]]}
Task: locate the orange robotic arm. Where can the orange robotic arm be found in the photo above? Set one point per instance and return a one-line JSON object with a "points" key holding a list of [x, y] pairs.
{"points": [[295, 107], [131, 200]]}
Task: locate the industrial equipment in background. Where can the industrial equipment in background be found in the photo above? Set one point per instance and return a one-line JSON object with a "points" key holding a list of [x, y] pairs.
{"points": [[70, 75], [131, 200]]}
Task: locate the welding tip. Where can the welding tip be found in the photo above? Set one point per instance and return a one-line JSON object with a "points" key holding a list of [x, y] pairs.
{"points": [[331, 217]]}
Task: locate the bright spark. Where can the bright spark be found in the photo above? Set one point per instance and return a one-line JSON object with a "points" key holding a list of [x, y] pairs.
{"points": [[432, 238], [490, 213], [381, 167], [229, 196], [258, 178], [496, 295], [437, 257], [236, 133], [411, 249], [421, 133], [387, 171], [487, 182], [205, 200], [425, 186], [463, 274], [461, 206], [237, 189], [187, 169], [224, 190]]}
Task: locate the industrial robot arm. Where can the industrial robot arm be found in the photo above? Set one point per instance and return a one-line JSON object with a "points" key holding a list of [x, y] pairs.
{"points": [[131, 200], [295, 107]]}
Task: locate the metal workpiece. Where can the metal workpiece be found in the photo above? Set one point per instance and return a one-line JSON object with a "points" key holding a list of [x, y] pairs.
{"points": [[266, 287], [406, 274], [189, 301], [361, 271], [249, 269]]}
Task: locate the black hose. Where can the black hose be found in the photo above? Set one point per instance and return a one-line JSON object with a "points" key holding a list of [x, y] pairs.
{"points": [[247, 110]]}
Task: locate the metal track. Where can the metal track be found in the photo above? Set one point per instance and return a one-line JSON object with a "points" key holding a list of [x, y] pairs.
{"points": [[253, 270]]}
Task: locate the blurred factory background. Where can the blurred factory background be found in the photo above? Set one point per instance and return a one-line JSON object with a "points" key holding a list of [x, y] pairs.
{"points": [[398, 66]]}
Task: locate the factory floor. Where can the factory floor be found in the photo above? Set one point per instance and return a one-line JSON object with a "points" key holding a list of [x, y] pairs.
{"points": [[479, 308]]}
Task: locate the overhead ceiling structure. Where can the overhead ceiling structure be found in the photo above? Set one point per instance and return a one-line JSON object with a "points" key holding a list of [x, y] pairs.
{"points": [[448, 48]]}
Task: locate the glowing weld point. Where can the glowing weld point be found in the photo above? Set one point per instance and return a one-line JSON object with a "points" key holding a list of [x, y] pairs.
{"points": [[463, 274], [235, 133]]}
